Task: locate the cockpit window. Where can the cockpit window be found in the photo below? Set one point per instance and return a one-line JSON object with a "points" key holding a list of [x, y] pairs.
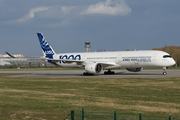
{"points": [[167, 56]]}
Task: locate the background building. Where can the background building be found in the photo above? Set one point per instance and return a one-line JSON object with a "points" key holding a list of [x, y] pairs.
{"points": [[87, 46], [21, 61]]}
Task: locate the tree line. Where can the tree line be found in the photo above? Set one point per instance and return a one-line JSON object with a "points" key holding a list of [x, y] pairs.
{"points": [[174, 51]]}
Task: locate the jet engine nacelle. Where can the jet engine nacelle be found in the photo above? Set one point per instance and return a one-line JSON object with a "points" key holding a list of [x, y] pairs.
{"points": [[93, 68], [134, 69]]}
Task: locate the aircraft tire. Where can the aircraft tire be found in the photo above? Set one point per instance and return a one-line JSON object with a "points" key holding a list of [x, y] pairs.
{"points": [[109, 72], [164, 73]]}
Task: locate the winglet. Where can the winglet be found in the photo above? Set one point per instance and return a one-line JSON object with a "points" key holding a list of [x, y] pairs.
{"points": [[10, 55]]}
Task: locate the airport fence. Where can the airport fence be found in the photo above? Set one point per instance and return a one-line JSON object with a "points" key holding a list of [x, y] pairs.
{"points": [[87, 115]]}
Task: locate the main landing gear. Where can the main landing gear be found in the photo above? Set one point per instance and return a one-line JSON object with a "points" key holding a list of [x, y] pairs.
{"points": [[164, 68], [109, 72]]}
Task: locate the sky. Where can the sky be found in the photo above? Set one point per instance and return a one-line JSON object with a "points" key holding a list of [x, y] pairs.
{"points": [[108, 24]]}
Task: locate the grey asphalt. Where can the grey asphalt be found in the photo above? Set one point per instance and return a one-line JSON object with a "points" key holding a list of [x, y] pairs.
{"points": [[79, 74]]}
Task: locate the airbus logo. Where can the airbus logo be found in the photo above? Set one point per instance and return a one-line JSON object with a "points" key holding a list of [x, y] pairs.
{"points": [[138, 59]]}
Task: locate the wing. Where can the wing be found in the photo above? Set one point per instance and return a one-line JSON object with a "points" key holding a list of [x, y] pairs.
{"points": [[83, 62]]}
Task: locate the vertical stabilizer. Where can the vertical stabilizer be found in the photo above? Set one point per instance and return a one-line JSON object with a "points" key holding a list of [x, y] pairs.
{"points": [[46, 48]]}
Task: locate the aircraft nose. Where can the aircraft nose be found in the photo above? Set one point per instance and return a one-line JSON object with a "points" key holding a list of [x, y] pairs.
{"points": [[173, 62]]}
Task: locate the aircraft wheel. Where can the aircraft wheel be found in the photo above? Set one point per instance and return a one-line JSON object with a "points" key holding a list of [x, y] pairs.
{"points": [[109, 72], [164, 73]]}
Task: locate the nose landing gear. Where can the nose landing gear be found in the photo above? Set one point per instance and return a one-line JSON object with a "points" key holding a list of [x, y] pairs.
{"points": [[164, 68]]}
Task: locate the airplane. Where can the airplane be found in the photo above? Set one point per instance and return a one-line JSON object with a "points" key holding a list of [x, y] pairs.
{"points": [[96, 62]]}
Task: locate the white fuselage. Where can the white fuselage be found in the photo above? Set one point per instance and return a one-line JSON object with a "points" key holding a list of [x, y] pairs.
{"points": [[120, 59], [95, 62]]}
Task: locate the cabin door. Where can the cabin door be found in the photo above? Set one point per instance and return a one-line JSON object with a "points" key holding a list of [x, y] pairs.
{"points": [[154, 56]]}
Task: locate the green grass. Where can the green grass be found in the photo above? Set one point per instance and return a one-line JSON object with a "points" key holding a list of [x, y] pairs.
{"points": [[54, 98]]}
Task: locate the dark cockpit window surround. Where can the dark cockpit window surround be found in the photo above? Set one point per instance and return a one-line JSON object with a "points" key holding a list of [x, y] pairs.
{"points": [[167, 56]]}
